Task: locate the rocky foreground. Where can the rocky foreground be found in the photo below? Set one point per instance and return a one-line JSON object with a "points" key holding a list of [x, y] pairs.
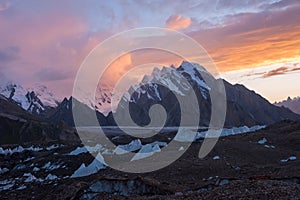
{"points": [[263, 164]]}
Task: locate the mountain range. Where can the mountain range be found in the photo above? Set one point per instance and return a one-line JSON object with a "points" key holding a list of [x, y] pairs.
{"points": [[292, 104], [244, 107], [39, 106], [38, 100]]}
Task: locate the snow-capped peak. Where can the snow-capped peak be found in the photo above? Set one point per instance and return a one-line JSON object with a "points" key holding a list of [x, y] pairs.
{"points": [[189, 66], [193, 69], [32, 100], [17, 93], [103, 99], [178, 80], [45, 95], [172, 78], [155, 71]]}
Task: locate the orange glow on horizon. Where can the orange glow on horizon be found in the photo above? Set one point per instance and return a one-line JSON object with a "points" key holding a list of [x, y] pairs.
{"points": [[256, 48]]}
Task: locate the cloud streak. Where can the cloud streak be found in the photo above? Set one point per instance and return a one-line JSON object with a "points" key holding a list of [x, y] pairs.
{"points": [[280, 71], [268, 73]]}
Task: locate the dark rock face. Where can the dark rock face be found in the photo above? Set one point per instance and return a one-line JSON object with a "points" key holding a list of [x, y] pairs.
{"points": [[140, 109], [17, 126], [257, 108], [64, 113]]}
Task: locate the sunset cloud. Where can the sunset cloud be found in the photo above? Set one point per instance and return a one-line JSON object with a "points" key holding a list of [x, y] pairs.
{"points": [[253, 39], [275, 72], [177, 22], [117, 69]]}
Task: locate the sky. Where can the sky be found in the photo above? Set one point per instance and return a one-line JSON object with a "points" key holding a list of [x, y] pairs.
{"points": [[252, 42]]}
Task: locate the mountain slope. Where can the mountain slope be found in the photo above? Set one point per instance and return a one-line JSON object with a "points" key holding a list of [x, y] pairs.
{"points": [[256, 106], [64, 113], [18, 126]]}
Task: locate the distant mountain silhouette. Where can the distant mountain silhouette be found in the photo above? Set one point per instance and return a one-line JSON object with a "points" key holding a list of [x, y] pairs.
{"points": [[292, 104]]}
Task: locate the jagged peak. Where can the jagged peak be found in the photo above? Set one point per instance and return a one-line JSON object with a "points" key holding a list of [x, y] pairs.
{"points": [[187, 66]]}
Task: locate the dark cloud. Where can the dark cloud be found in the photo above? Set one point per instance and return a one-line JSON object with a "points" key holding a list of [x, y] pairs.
{"points": [[9, 54], [280, 71], [295, 69], [276, 72], [51, 74]]}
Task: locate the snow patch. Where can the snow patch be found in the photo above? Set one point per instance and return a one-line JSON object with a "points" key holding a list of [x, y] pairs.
{"points": [[269, 146], [36, 169], [51, 177], [132, 146], [22, 187], [7, 186], [54, 146], [78, 150], [93, 168], [185, 135], [216, 158], [146, 151], [291, 158], [9, 151], [28, 159], [4, 170], [49, 166], [228, 132], [262, 141], [86, 149], [32, 148], [29, 178]]}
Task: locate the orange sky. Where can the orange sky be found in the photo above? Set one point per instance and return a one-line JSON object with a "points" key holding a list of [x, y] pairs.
{"points": [[257, 48]]}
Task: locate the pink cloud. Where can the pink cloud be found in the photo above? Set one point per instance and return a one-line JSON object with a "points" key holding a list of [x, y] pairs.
{"points": [[118, 68], [177, 22], [51, 44]]}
